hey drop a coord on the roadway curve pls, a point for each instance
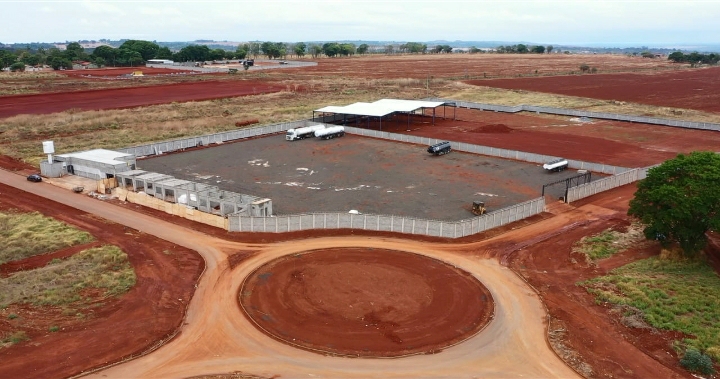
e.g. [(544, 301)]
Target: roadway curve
[(216, 338)]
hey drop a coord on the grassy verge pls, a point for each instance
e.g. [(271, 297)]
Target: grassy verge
[(678, 295), (62, 281), (29, 234), (609, 242)]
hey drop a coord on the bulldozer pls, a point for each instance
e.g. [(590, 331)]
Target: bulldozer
[(478, 208)]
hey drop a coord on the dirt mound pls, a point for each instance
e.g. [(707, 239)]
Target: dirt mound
[(493, 128), (14, 164)]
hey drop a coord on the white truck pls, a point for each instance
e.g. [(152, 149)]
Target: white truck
[(331, 132), (302, 133), (556, 165)]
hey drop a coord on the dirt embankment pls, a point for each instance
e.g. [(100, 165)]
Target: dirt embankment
[(111, 329)]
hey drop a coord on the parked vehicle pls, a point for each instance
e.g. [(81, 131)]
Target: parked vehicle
[(439, 148), (331, 132), (302, 133), (556, 165), (34, 178), (478, 208)]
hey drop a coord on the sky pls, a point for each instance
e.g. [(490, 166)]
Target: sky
[(567, 22)]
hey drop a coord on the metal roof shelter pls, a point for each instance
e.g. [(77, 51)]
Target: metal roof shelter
[(380, 109)]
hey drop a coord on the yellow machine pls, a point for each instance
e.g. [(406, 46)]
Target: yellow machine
[(478, 208)]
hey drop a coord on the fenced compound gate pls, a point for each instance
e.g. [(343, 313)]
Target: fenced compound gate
[(572, 181)]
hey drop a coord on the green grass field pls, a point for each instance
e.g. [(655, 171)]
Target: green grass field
[(679, 295), (61, 282), (28, 234)]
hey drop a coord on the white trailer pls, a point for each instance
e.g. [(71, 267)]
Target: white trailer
[(331, 132), (556, 165), (302, 133)]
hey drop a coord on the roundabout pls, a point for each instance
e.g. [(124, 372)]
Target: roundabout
[(365, 302), (219, 339)]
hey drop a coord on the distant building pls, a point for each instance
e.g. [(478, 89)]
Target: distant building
[(158, 61)]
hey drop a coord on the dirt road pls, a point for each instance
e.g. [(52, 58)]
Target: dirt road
[(216, 338)]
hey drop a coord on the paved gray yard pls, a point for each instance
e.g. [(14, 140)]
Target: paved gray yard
[(365, 174)]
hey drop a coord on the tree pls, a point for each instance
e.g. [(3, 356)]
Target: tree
[(100, 62), (363, 49), (331, 49), (299, 49), (148, 50), (389, 49), (549, 49), (75, 52), (521, 49), (679, 201), (677, 57), (164, 53), (254, 49), (474, 50), (584, 67), (242, 51), (539, 49), (17, 66), (347, 49), (105, 52), (31, 59), (193, 53), (217, 54), (315, 50), (273, 49)]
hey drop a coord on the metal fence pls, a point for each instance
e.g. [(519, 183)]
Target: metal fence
[(489, 151), (606, 184), (385, 223), (579, 113), (208, 139)]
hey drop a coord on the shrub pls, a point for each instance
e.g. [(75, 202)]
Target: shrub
[(16, 337), (12, 316), (54, 328), (714, 353), (696, 361)]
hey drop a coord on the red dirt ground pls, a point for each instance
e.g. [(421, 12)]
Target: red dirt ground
[(569, 306), (151, 311), (615, 143), (688, 89), (118, 71), (130, 97), (469, 66), (383, 303), (591, 329)]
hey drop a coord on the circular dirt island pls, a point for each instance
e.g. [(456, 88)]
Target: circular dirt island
[(364, 302)]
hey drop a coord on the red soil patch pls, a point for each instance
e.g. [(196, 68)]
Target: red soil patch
[(492, 128), (470, 66), (365, 302), (110, 329), (615, 143), (118, 71), (594, 331), (130, 97), (14, 164), (689, 89)]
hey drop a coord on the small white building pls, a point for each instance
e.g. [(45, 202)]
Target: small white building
[(96, 164)]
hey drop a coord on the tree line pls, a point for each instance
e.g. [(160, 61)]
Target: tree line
[(138, 52), (694, 58)]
